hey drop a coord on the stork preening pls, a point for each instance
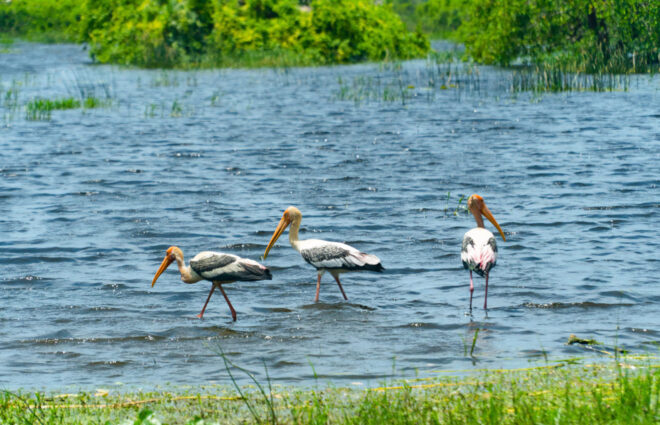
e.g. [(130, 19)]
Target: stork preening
[(217, 267), (479, 251), (333, 257)]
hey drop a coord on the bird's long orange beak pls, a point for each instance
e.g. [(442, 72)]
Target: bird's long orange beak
[(486, 213), (169, 259), (284, 223)]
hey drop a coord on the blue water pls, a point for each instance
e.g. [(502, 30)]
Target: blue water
[(90, 199)]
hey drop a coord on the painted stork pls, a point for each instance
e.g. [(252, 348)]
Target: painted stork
[(217, 267), (479, 251), (333, 257)]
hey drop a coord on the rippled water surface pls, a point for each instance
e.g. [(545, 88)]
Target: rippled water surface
[(91, 198)]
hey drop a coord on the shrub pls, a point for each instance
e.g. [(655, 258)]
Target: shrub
[(44, 20), (179, 32), (580, 35)]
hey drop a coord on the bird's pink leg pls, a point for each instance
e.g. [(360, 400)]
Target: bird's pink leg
[(486, 294), (233, 312), (318, 288), (340, 288), (471, 289), (200, 315)]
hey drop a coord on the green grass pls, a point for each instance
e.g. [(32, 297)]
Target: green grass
[(614, 393), (41, 109)]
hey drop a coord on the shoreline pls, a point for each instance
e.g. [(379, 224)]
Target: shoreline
[(564, 391)]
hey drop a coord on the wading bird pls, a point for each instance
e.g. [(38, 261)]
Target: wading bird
[(333, 257), (479, 251), (216, 267)]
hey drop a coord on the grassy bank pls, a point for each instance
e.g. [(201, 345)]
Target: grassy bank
[(621, 392)]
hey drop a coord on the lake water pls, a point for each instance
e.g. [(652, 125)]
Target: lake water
[(90, 199)]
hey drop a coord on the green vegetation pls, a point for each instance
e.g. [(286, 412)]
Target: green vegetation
[(203, 33), (253, 32), (41, 109), (444, 75), (592, 36), (439, 18), (40, 20), (605, 36), (571, 36), (621, 393)]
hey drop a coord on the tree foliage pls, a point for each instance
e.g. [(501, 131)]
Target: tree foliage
[(45, 20), (581, 35), (173, 32)]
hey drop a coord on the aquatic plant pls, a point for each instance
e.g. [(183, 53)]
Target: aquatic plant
[(547, 78), (369, 89), (165, 79), (41, 109), (10, 97), (176, 110), (443, 72)]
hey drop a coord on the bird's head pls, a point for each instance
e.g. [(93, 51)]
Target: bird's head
[(478, 207), (171, 256), (291, 214)]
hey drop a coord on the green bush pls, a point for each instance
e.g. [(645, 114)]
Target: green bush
[(151, 33), (353, 30), (43, 20), (578, 35), (155, 33)]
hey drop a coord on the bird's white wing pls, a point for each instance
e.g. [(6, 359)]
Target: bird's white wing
[(334, 255), (479, 250), (218, 266)]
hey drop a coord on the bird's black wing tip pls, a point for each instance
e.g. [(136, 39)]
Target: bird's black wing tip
[(377, 268)]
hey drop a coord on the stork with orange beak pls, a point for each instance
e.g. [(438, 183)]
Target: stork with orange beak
[(333, 257), (479, 251), (216, 267)]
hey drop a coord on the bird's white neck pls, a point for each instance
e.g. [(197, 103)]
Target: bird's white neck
[(293, 235), (187, 274)]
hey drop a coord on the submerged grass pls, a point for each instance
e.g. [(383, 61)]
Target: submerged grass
[(618, 392)]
